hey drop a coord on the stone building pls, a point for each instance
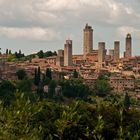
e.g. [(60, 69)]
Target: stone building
[(77, 59), (59, 61), (121, 84), (60, 58), (87, 40), (128, 47), (101, 54), (116, 50), (68, 53), (60, 52)]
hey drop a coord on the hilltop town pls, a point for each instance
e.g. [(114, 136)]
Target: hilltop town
[(124, 72)]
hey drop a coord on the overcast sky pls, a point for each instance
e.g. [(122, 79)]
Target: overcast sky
[(33, 25)]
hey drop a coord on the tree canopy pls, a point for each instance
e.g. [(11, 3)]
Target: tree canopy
[(75, 88), (21, 74)]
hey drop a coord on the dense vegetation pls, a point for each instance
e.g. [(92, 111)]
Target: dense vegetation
[(77, 113), (48, 119), (19, 56)]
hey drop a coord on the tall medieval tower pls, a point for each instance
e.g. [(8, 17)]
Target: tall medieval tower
[(87, 40), (68, 53), (128, 47)]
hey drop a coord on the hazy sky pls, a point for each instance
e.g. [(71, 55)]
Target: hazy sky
[(32, 25)]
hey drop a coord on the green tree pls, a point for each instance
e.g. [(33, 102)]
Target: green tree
[(10, 52), (21, 74), (102, 88), (19, 55), (20, 52), (6, 51), (37, 76), (7, 90), (66, 124), (75, 74), (52, 86), (24, 85), (46, 81), (74, 88), (126, 101), (49, 73), (48, 54), (54, 53), (104, 76), (40, 54)]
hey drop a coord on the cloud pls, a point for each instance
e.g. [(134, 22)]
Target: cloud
[(105, 11), (129, 29), (33, 33), (41, 19), (52, 12)]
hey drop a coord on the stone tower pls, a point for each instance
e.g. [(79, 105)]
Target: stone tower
[(101, 54), (87, 40), (68, 53), (128, 47), (60, 58), (116, 50)]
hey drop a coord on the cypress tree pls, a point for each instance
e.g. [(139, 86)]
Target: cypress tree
[(35, 77), (38, 75), (49, 73), (10, 52), (126, 101), (6, 51)]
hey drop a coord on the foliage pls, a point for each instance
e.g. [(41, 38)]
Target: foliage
[(52, 86), (50, 53), (45, 119), (126, 101), (8, 52), (7, 90), (37, 76), (21, 74), (42, 54), (102, 88), (104, 76), (24, 85), (74, 88), (19, 55), (11, 58), (48, 73), (75, 74), (46, 81), (80, 115)]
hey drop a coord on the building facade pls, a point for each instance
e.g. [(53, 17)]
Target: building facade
[(120, 84)]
